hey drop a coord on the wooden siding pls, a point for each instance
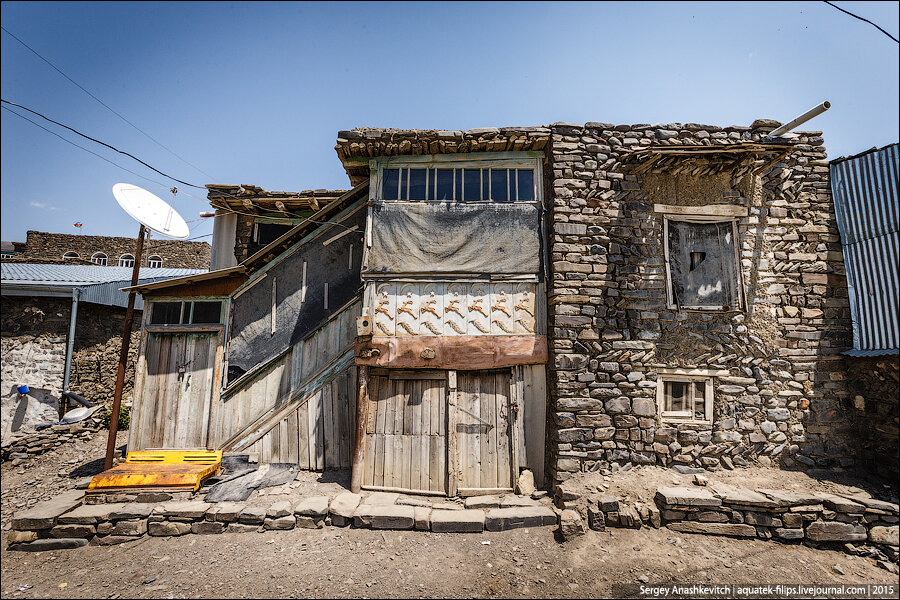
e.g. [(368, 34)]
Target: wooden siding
[(484, 430), (318, 433)]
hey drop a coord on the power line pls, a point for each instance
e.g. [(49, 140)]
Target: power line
[(101, 143), (306, 219), (109, 108), (82, 147), (862, 19)]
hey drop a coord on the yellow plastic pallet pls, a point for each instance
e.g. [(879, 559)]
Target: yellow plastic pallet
[(158, 470)]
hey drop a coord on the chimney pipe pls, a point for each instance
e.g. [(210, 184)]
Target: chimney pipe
[(813, 112)]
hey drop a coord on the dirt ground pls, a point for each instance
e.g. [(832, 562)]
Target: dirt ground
[(337, 562)]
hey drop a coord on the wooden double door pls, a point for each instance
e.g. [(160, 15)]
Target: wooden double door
[(174, 389), (440, 432)]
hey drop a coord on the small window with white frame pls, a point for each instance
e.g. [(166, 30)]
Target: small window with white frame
[(701, 248), (154, 262), (99, 259), (126, 260), (686, 396), (70, 256)]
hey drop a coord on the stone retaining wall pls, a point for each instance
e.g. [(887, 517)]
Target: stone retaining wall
[(24, 445), (859, 525), (874, 384), (785, 397)]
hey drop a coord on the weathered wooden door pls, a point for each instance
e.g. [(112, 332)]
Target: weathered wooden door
[(483, 432), (406, 432), (176, 394)]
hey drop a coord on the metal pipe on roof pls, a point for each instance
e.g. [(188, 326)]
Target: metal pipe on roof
[(70, 345), (813, 112)]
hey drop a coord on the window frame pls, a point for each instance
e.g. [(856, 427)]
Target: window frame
[(96, 258), (706, 376), (532, 161), (151, 259), (122, 257), (71, 254), (187, 305), (704, 215)]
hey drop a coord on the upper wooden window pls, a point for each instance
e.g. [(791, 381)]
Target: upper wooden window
[(702, 265), (685, 399), (458, 184), (99, 258), (186, 313)]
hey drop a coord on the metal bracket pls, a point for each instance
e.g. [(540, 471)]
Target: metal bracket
[(479, 419)]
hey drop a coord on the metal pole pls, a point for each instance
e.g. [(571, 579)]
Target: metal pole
[(813, 112), (70, 346), (123, 356)]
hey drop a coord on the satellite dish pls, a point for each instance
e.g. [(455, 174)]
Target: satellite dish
[(150, 210)]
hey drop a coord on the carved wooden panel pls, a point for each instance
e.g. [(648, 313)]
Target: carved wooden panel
[(481, 308)]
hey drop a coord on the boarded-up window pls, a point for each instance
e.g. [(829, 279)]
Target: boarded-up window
[(702, 265)]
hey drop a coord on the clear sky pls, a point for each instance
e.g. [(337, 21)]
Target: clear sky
[(256, 92)]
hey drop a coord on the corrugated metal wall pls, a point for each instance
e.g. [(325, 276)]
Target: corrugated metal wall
[(864, 188)]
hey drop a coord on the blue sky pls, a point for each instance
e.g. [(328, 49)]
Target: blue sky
[(256, 92)]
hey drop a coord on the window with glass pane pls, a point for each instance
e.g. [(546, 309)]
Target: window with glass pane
[(165, 313), (417, 179), (471, 185), (525, 187), (444, 184), (686, 400), (390, 182), (206, 312), (499, 185)]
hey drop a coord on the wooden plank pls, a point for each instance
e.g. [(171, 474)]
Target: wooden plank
[(328, 423), (461, 352), (487, 410), (452, 450), (506, 414), (712, 210), (320, 429), (379, 396), (303, 435), (352, 406), (173, 392)]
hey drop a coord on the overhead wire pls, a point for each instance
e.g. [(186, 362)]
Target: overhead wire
[(855, 16), (105, 105), (73, 130)]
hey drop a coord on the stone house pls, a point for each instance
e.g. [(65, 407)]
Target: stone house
[(65, 248), (558, 299)]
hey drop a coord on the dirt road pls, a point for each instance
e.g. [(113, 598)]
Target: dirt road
[(365, 563)]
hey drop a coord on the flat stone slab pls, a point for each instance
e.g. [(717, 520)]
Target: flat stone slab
[(285, 522), (382, 516), (381, 498), (131, 510), (790, 497), (730, 529), (132, 527), (835, 531), (317, 506), (225, 512), (44, 514), (608, 504), (188, 510), (514, 501), (743, 497), (90, 514), (685, 496), (457, 521), (242, 528), (73, 531), (420, 502), (889, 536), (342, 508), (112, 540), (252, 515), (280, 509), (423, 518), (168, 528), (501, 519), (446, 506), (843, 505), (490, 501), (789, 534), (51, 544), (887, 507)]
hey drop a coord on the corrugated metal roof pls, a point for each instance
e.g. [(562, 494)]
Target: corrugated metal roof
[(870, 353), (111, 294), (78, 275), (867, 206)]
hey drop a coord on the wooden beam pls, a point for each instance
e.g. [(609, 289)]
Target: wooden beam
[(460, 352), (712, 210), (452, 436), (359, 442)]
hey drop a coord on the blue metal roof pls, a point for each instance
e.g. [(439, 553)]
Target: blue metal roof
[(78, 275), (867, 206)]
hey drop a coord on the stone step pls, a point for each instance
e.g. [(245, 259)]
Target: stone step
[(44, 514), (501, 519), (457, 521)]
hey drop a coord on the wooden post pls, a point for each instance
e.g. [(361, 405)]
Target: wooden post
[(123, 356), (452, 452), (359, 445)]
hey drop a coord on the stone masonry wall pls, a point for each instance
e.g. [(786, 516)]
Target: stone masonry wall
[(40, 246), (874, 384), (785, 396), (34, 337)]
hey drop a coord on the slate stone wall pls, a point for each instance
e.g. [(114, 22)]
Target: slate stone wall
[(40, 246), (874, 384), (785, 398)]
